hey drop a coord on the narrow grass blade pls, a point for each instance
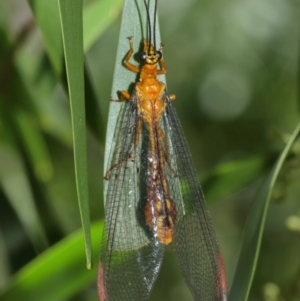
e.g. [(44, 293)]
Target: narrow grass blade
[(35, 145), (71, 20), (93, 114), (13, 175), (254, 230), (14, 182), (47, 17), (57, 274)]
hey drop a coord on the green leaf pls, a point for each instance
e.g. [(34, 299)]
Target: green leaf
[(134, 23), (71, 19), (57, 274), (13, 174), (14, 182), (40, 81), (46, 13), (35, 144), (97, 16), (254, 230), (47, 17), (93, 114), (231, 176)]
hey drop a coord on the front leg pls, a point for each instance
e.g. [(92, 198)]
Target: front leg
[(163, 66), (129, 65)]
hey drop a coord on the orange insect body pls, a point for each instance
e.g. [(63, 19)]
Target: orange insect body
[(160, 210)]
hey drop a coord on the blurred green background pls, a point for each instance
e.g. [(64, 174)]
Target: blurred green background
[(234, 67)]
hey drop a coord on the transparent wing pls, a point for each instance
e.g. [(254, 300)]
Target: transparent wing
[(130, 256), (194, 239)]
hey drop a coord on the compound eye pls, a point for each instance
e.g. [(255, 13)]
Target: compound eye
[(159, 54), (143, 56)]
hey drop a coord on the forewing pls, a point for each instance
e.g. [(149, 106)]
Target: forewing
[(130, 256), (194, 239)]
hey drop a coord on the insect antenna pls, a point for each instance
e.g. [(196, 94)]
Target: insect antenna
[(149, 25), (154, 25)]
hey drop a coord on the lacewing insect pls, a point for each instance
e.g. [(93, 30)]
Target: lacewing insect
[(154, 197)]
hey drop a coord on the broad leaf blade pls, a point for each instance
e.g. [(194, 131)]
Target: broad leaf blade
[(134, 23)]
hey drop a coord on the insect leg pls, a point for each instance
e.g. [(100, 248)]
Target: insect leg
[(129, 158), (130, 155), (124, 95), (138, 132), (163, 66), (129, 65), (165, 149)]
